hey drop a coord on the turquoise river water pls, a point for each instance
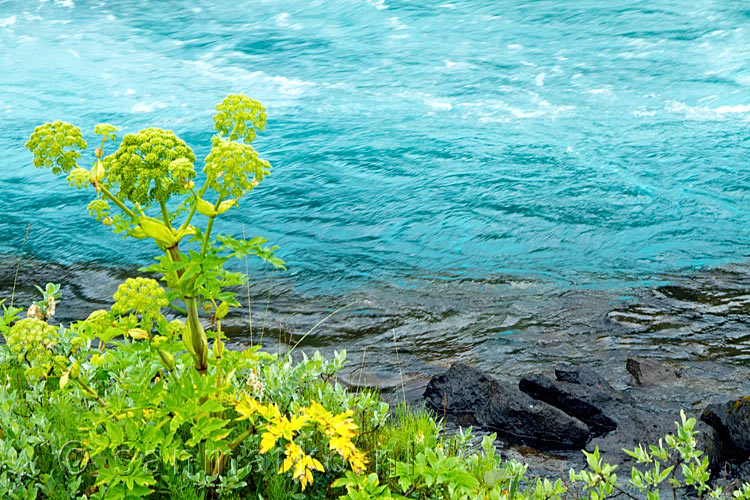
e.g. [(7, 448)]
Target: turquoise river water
[(466, 168)]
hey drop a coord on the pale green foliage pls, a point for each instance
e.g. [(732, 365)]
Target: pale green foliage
[(233, 168), (239, 118), (55, 145), (673, 467), (140, 168)]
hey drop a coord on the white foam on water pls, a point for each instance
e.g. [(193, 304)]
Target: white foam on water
[(603, 90), (378, 4), (539, 80), (65, 3), (705, 112), (438, 104), (8, 21), (148, 108), (395, 23), (282, 21), (740, 108)]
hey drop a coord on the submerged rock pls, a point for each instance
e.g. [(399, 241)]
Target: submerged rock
[(464, 392)]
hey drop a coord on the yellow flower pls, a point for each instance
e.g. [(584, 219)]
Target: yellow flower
[(280, 427), (303, 464)]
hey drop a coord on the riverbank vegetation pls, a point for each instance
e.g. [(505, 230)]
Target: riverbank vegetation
[(143, 400)]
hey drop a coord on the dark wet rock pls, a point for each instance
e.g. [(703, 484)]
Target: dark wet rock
[(731, 421), (651, 371), (709, 440), (468, 393), (582, 375), (634, 427), (588, 404)]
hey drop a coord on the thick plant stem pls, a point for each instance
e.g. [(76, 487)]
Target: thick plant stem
[(117, 202), (209, 226), (197, 336), (165, 214)]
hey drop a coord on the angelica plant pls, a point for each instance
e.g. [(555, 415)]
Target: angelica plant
[(146, 189)]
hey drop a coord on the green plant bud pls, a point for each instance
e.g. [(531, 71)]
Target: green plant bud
[(225, 205), (107, 221), (222, 310), (206, 208), (137, 233), (139, 334), (167, 359), (184, 232), (187, 341), (96, 174), (155, 229), (218, 349)]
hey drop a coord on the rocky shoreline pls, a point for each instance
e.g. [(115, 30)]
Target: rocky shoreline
[(576, 407)]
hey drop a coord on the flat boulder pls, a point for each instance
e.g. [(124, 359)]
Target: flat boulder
[(651, 371), (472, 395), (587, 403), (581, 375)]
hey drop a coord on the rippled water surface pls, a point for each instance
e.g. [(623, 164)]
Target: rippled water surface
[(470, 168), (582, 141)]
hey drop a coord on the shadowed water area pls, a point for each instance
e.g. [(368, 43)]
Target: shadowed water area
[(508, 184)]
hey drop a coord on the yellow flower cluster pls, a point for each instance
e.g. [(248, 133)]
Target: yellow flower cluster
[(339, 429)]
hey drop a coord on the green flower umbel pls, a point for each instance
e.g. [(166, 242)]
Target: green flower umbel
[(142, 169), (55, 145), (29, 337), (140, 296)]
